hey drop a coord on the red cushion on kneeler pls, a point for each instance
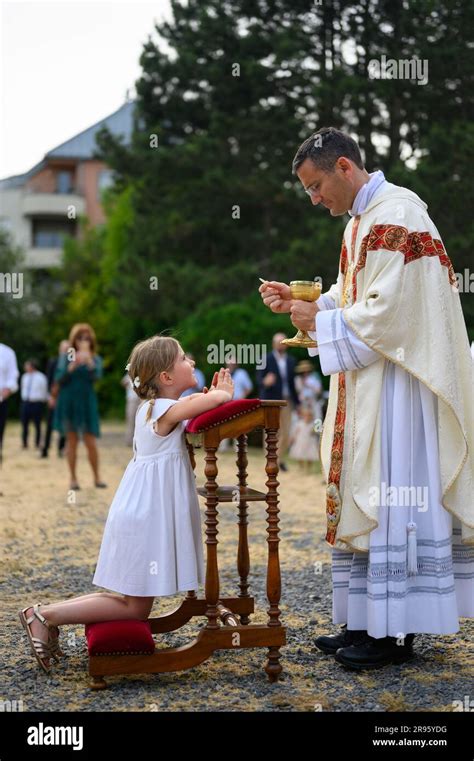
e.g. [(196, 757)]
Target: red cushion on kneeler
[(122, 637), (222, 413)]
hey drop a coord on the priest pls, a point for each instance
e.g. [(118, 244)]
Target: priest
[(397, 442)]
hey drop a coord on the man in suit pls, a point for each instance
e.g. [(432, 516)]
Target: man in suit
[(277, 381), (34, 394)]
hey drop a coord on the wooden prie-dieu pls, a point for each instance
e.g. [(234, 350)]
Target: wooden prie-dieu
[(228, 624)]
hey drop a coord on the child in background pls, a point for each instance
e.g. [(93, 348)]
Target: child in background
[(304, 440), (152, 543)]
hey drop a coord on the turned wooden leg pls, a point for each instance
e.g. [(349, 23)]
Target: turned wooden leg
[(98, 683), (212, 571), (243, 557), (273, 667), (191, 594)]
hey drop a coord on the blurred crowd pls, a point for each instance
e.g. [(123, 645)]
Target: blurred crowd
[(62, 399)]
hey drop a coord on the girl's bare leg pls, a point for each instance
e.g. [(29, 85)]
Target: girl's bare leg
[(99, 606), (74, 600), (77, 598)]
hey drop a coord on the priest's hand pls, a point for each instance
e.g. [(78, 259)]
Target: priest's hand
[(276, 296), (303, 314)]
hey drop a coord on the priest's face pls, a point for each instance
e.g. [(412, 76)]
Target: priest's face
[(335, 189)]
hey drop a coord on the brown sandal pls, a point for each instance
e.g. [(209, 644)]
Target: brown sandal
[(53, 643), (40, 649)]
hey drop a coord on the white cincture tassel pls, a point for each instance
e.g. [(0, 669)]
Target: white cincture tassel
[(412, 566)]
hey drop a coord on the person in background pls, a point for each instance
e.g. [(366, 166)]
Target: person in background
[(201, 381), (76, 412), (9, 374), (242, 388), (309, 387), (132, 403), (242, 383), (277, 381), (34, 394), (53, 389), (304, 440), (308, 384)]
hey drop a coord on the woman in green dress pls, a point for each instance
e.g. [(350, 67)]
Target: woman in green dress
[(76, 411)]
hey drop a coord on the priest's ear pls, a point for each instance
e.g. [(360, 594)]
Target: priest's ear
[(345, 165)]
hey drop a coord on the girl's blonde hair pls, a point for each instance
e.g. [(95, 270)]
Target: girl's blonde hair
[(148, 359)]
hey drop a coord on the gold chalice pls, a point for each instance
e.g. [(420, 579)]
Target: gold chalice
[(304, 290)]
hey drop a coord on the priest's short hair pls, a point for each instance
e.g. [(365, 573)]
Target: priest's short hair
[(325, 146)]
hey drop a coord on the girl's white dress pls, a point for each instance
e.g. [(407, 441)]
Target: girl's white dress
[(152, 542), (305, 445)]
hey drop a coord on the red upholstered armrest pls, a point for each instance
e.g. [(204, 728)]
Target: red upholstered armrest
[(122, 637), (222, 413)]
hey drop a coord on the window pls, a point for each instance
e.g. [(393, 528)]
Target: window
[(52, 239), (51, 233), (64, 181), (104, 180)]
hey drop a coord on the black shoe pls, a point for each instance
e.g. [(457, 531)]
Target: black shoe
[(283, 467), (375, 653), (43, 454), (329, 643)]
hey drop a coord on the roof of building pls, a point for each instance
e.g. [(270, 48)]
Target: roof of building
[(82, 146)]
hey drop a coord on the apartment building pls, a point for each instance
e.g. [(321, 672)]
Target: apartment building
[(44, 204)]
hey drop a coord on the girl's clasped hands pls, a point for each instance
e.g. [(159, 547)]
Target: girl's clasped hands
[(222, 381)]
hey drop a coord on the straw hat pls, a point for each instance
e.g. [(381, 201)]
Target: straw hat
[(305, 366)]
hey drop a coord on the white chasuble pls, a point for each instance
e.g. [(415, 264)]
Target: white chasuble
[(396, 448)]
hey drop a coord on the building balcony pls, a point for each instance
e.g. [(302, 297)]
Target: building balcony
[(43, 257), (53, 204)]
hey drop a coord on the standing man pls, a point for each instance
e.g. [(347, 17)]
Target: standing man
[(242, 388), (8, 385), (34, 395), (397, 440), (277, 381), (242, 382)]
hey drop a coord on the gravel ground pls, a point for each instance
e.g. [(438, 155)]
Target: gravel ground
[(48, 552)]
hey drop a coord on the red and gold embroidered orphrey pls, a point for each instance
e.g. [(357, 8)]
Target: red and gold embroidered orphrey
[(343, 258), (333, 505), (412, 245), (333, 495)]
